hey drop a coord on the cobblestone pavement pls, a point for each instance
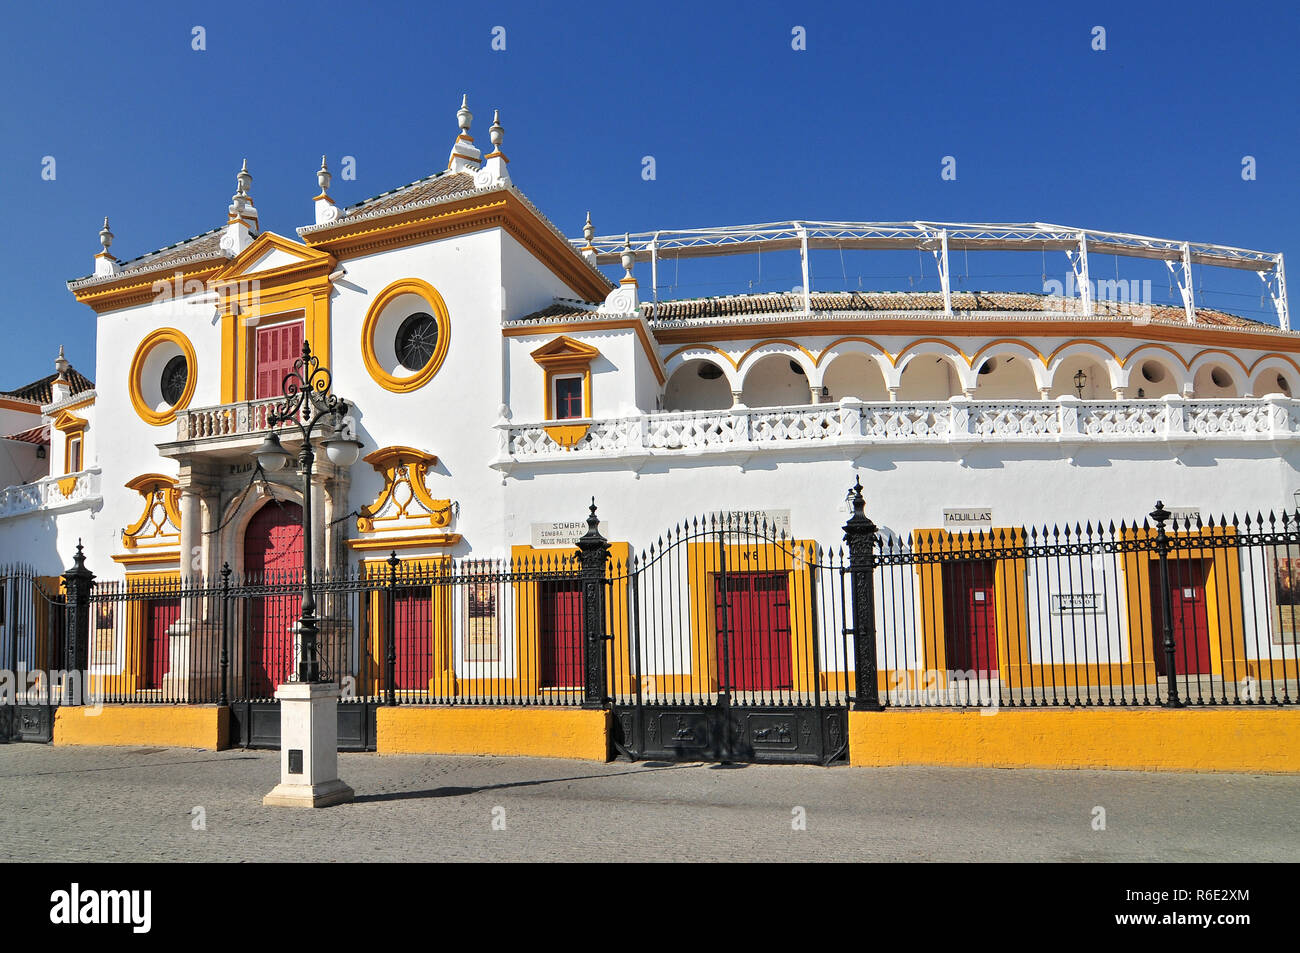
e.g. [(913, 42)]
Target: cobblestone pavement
[(92, 804)]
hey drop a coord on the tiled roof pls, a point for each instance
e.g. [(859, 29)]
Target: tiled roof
[(40, 392), (198, 248), (37, 435), (423, 190), (786, 302)]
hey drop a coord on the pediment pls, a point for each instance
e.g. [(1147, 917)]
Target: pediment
[(565, 348), (274, 256)]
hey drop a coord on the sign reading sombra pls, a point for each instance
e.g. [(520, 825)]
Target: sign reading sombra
[(968, 517), (562, 535)]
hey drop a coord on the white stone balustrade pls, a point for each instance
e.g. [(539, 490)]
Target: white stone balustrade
[(47, 494), (226, 420), (961, 420)]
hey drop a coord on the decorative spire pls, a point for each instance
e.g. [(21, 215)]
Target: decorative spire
[(628, 259), (494, 165), (588, 232), (464, 157), (326, 210), (61, 365), (241, 222), (105, 263)]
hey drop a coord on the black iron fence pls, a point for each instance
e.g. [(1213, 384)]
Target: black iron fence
[(728, 612)]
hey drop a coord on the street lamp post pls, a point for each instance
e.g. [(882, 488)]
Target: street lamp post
[(307, 401), (308, 703)]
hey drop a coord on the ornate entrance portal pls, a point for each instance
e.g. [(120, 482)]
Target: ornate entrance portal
[(273, 555)]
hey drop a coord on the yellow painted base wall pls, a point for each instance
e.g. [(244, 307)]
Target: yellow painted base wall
[(159, 726), (533, 732), (1211, 739)]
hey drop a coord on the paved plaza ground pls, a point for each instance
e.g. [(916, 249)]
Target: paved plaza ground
[(138, 804)]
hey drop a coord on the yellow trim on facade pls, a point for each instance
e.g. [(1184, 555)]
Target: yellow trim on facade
[(419, 541), (403, 466), (612, 324), (565, 357), (156, 489), (437, 307), (135, 385), (442, 609), (172, 726), (470, 730), (147, 557), (1249, 739), (793, 557)]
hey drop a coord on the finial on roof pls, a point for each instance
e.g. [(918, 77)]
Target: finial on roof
[(61, 365), (105, 263), (588, 250), (629, 259), (241, 222), (496, 132), (326, 210), (464, 157), (463, 116)]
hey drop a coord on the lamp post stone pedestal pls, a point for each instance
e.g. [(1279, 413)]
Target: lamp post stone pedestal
[(309, 760), (309, 703)]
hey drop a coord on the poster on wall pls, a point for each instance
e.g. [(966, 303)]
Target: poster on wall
[(482, 642), (104, 643), (1286, 599)]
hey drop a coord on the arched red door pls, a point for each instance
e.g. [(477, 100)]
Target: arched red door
[(273, 556)]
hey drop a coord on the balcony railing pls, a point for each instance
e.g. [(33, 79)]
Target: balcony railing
[(856, 423), (75, 490), (226, 420)]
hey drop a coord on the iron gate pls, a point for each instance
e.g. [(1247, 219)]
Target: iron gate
[(32, 625), (729, 642)]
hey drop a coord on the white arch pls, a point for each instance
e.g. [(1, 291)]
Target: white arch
[(1263, 378), (1130, 375), (674, 363), (1042, 380), (1224, 360), (965, 375), (771, 349), (829, 356), (1100, 355), (874, 359)]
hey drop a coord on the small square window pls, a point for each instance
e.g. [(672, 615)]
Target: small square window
[(568, 398)]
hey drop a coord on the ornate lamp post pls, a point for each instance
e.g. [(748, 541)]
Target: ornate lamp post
[(307, 401), (308, 705)]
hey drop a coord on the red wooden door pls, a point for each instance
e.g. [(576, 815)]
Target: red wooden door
[(277, 348), (969, 616), (414, 622), (1191, 618), (754, 637), (273, 553), (161, 615), (560, 635)]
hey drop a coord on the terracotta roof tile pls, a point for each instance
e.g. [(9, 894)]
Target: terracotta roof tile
[(424, 190), (41, 391), (785, 302)]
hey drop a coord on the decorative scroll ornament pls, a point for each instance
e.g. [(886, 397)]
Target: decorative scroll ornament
[(405, 501), (159, 524)]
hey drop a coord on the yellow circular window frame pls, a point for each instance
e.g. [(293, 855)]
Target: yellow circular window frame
[(437, 307), (161, 336)]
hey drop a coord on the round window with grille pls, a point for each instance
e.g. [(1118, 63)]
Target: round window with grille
[(417, 339), (175, 376)]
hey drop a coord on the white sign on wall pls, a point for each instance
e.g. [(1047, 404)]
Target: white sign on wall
[(562, 535), (775, 521), (1181, 513), (1071, 602), (968, 517)]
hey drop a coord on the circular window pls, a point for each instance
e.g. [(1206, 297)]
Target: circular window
[(174, 378), (796, 368), (1221, 378), (986, 368), (709, 372), (1283, 386), (405, 336), (417, 339), (1153, 371), (162, 376)]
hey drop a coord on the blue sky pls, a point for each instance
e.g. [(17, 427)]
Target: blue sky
[(1147, 136)]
